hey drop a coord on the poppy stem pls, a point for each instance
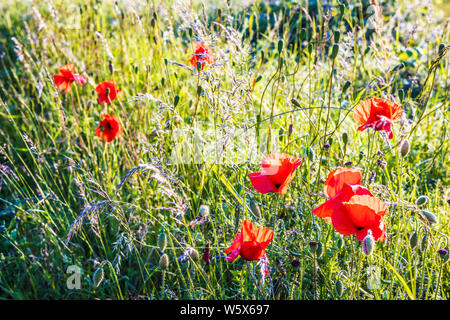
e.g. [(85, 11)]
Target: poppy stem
[(316, 295)]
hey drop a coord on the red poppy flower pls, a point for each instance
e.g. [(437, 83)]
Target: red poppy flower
[(250, 243), (202, 54), (277, 173), (108, 92), (66, 76), (351, 208), (378, 114), (109, 128)]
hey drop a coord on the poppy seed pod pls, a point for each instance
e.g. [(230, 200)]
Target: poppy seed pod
[(431, 218), (422, 200), (404, 148), (368, 244), (255, 209), (313, 246), (413, 239), (98, 277), (164, 261), (295, 263), (444, 255), (162, 241)]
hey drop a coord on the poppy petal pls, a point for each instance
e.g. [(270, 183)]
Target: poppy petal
[(261, 182), (378, 232), (233, 256), (236, 243), (341, 221), (338, 178), (325, 210), (365, 210), (264, 236), (79, 78), (248, 231)]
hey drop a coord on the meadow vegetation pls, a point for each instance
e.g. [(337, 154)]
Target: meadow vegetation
[(149, 214)]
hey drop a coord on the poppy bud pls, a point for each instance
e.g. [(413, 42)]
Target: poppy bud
[(296, 103), (413, 240), (340, 243), (255, 209), (291, 127), (199, 66), (341, 9), (280, 45), (404, 148), (422, 200), (110, 67), (398, 67), (334, 51), (204, 210), (424, 242), (368, 244), (431, 218), (258, 78), (319, 250), (98, 277), (345, 137), (162, 241), (313, 245), (444, 255), (337, 36), (441, 47), (176, 100), (339, 287), (361, 155), (194, 254), (346, 86), (199, 90), (164, 261)]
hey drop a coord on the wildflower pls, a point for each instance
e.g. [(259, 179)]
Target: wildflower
[(378, 114), (250, 243), (202, 54), (109, 128), (351, 208), (108, 92), (206, 256), (66, 76), (278, 170)]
